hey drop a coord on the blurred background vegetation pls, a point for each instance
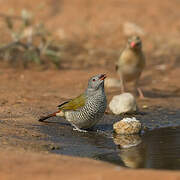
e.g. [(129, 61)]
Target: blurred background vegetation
[(30, 42), (87, 33)]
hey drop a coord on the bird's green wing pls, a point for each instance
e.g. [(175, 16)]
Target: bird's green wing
[(73, 104)]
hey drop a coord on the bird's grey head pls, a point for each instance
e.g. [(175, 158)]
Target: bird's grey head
[(96, 82), (134, 43)]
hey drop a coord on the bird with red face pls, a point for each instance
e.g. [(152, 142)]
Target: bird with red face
[(84, 111), (131, 64)]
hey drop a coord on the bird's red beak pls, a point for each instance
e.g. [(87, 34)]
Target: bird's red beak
[(133, 44), (102, 77)]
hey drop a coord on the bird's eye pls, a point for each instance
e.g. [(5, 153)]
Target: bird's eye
[(93, 79)]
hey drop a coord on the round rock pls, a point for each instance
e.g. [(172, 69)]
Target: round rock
[(127, 126), (123, 103)]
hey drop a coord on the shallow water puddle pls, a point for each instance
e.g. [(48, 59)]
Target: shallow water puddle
[(158, 148)]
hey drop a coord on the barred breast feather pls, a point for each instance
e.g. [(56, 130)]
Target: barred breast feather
[(90, 113)]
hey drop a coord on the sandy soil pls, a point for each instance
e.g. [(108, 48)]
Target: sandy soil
[(93, 37), (39, 166), (26, 95)]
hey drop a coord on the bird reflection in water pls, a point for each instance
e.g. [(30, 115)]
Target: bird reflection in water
[(131, 151)]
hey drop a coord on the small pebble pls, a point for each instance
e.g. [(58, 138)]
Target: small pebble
[(127, 126), (144, 106)]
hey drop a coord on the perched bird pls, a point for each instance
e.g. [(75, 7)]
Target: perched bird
[(86, 110), (131, 63)]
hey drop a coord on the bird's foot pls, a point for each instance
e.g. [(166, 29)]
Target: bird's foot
[(108, 135), (141, 95), (79, 130)]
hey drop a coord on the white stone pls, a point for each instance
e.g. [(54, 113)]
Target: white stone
[(129, 120), (123, 103), (127, 126), (112, 82)]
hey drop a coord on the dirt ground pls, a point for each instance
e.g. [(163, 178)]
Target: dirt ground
[(93, 33), (28, 94), (38, 166)]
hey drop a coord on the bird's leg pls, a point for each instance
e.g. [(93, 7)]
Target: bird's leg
[(141, 95), (122, 83), (77, 129)]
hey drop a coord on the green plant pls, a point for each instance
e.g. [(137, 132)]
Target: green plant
[(30, 42)]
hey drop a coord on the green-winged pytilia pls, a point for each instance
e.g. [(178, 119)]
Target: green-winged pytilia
[(131, 63), (84, 111)]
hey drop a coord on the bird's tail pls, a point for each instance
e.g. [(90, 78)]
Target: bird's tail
[(48, 116)]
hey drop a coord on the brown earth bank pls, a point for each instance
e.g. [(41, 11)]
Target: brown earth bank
[(24, 165)]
